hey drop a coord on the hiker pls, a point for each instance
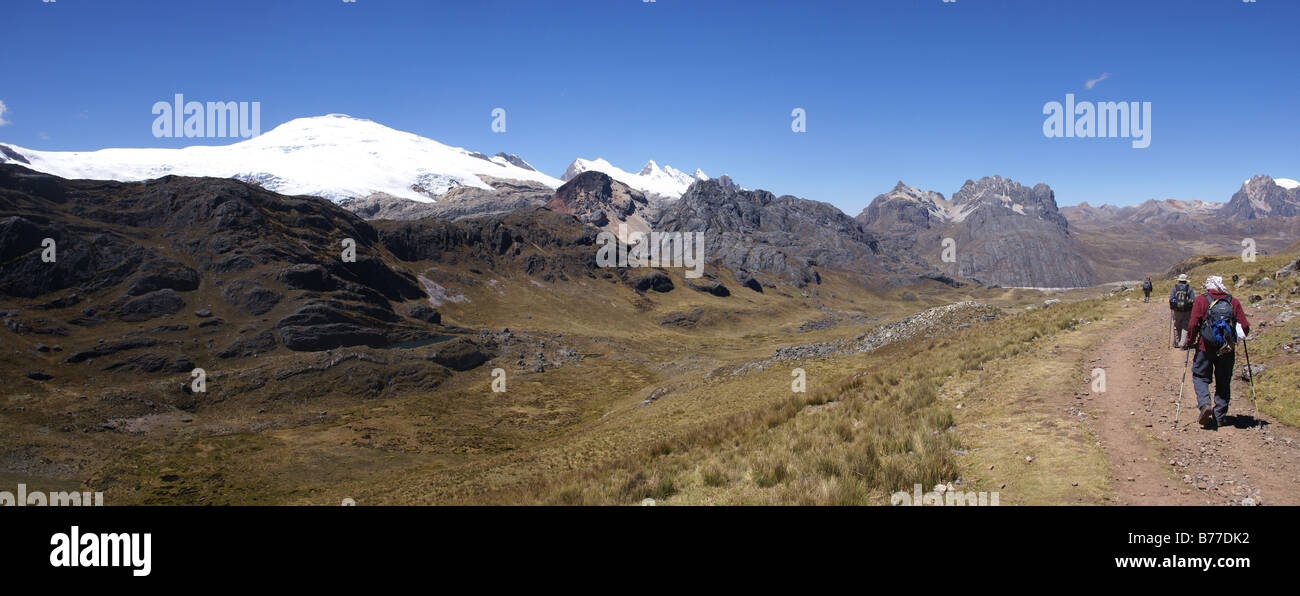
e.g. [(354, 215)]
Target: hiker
[(1215, 315), (1180, 308), (1146, 290)]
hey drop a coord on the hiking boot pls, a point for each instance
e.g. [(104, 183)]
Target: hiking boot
[(1207, 417)]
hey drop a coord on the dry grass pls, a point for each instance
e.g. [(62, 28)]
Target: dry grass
[(880, 428)]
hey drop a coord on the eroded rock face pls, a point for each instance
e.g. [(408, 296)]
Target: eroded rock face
[(1010, 235), (785, 237), (1005, 233), (137, 251), (461, 354), (1260, 197), (163, 273), (151, 306), (655, 280), (500, 242), (901, 213), (595, 198), (458, 203), (251, 297)]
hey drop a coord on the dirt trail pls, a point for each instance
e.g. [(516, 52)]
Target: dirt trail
[(1155, 464)]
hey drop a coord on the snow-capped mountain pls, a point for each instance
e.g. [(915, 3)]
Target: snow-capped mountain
[(664, 181), (335, 156)]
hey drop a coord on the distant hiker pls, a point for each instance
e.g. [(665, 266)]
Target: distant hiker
[(1180, 308), (1146, 290), (1215, 316), (1235, 280)]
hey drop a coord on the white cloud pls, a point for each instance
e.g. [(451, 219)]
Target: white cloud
[(3, 110), (1093, 82)]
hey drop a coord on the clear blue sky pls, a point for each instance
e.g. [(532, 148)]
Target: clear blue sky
[(928, 92)]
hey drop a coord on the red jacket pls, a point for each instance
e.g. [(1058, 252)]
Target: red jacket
[(1201, 307)]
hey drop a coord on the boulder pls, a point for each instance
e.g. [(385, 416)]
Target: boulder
[(460, 354), (252, 345), (152, 363), (709, 286), (113, 347), (307, 277), (655, 280), (328, 336), (424, 312), (151, 305), (251, 297), (745, 279), (160, 273)]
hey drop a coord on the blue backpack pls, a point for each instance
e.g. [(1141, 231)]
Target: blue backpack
[(1220, 326)]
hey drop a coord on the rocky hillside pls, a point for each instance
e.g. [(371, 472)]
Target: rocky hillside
[(595, 198), (788, 238), (457, 203), (1011, 235), (1168, 211), (150, 280), (1262, 196), (1124, 243), (899, 215), (1006, 234)]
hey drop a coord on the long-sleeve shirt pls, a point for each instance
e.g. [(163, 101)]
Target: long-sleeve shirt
[(1201, 308)]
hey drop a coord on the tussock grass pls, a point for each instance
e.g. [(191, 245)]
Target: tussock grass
[(881, 428)]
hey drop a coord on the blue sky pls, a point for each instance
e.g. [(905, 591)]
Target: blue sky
[(924, 91)]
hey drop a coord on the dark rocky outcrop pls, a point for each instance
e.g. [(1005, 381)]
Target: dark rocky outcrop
[(424, 312), (250, 296), (536, 241), (308, 276), (150, 306), (1005, 234), (1261, 197), (458, 203), (250, 345), (595, 198), (655, 280), (461, 354), (153, 363), (113, 347), (1011, 235), (786, 237), (746, 280), (709, 286), (162, 273), (897, 216)]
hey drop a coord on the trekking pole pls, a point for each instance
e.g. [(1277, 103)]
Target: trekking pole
[(1251, 372), (1187, 358)]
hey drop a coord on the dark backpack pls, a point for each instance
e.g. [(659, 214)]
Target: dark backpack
[(1220, 326), (1146, 286), (1183, 298)]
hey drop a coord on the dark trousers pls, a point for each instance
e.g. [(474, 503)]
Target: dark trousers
[(1209, 367), (1181, 319)]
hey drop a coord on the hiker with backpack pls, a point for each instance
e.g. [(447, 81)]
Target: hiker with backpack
[(1180, 308), (1214, 318), (1146, 290)]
